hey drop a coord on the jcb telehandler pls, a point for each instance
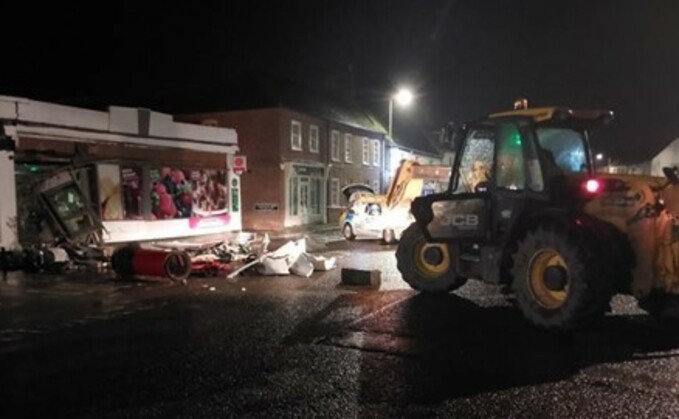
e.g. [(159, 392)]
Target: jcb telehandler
[(525, 208)]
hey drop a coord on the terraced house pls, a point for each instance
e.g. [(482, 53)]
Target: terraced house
[(302, 147)]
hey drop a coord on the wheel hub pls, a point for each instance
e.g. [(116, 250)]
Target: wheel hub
[(549, 278), (433, 255), (555, 278)]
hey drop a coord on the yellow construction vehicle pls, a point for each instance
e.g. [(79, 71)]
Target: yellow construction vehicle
[(386, 216), (525, 208)]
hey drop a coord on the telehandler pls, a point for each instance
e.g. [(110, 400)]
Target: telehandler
[(525, 208)]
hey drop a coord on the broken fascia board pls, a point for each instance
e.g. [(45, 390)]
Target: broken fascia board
[(70, 135), (117, 119)]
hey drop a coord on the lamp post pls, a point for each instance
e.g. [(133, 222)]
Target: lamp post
[(403, 97)]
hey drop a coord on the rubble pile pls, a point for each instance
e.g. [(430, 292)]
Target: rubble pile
[(59, 258), (232, 258), (245, 254)]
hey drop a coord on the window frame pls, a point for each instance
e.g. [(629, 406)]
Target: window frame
[(365, 151), (376, 154), (348, 158), (314, 141), (299, 139), (335, 145)]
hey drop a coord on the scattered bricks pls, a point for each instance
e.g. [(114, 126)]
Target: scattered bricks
[(360, 277)]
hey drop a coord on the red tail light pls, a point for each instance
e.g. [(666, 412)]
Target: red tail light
[(592, 186)]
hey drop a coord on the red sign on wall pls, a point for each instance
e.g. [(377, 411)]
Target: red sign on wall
[(240, 164)]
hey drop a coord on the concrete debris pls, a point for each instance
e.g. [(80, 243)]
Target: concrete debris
[(321, 263), (290, 258), (302, 266), (274, 266)]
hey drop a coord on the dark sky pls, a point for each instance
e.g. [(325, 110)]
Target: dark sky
[(464, 58)]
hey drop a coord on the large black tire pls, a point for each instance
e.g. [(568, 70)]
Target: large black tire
[(421, 275), (559, 280)]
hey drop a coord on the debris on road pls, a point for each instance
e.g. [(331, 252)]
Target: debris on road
[(133, 260), (321, 263), (371, 278)]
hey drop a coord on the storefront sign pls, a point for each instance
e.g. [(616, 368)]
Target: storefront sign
[(266, 206), (308, 170)]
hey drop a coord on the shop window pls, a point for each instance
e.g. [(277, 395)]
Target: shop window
[(209, 192), (182, 193), (131, 179)]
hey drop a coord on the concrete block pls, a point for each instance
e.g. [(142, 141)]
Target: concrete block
[(371, 278)]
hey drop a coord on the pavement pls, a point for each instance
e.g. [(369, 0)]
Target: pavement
[(297, 231)]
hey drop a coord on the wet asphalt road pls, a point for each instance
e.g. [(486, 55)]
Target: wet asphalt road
[(288, 346)]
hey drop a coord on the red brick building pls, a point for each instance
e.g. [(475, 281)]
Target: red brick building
[(299, 157)]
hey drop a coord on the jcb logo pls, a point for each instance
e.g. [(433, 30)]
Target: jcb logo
[(460, 220)]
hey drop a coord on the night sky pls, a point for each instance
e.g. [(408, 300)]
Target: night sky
[(463, 58)]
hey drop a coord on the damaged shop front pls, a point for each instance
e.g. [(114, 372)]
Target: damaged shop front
[(115, 176)]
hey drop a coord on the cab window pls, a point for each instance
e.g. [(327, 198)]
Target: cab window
[(510, 162), (564, 148), (476, 162)]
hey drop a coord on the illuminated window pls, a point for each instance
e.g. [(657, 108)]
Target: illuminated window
[(335, 146), (313, 139), (296, 136), (347, 148)]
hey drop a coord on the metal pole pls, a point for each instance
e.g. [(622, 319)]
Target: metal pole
[(391, 117)]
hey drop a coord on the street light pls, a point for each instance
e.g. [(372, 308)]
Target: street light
[(404, 97), (600, 157)]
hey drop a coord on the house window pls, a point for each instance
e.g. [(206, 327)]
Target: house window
[(335, 146), (313, 139), (296, 136), (334, 192), (376, 152), (366, 151), (347, 148), (376, 186)]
